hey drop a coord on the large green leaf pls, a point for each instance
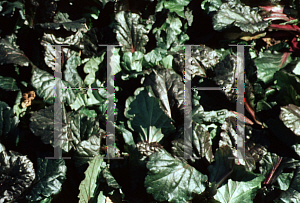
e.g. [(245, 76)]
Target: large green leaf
[(201, 145), (290, 116), (293, 192), (50, 176), (289, 89), (45, 83), (268, 63), (88, 187), (234, 13), (87, 150), (241, 187), (87, 99), (155, 55), (11, 53), (272, 167), (222, 167), (171, 180), (16, 175), (146, 116), (167, 85), (76, 127), (132, 61), (130, 32)]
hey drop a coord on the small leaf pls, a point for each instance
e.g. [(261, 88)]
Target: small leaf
[(176, 6), (71, 74), (132, 61), (290, 115), (61, 20), (91, 67), (87, 150)]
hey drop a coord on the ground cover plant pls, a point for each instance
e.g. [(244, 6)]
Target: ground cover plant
[(149, 71)]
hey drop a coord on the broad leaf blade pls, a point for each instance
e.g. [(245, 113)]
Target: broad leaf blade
[(171, 180), (146, 116), (87, 150), (244, 17), (50, 176), (10, 52), (293, 192), (290, 115), (241, 187), (71, 74), (16, 175), (61, 20), (267, 64), (8, 83), (89, 185), (45, 83), (76, 127), (222, 166), (130, 33), (167, 85), (91, 67), (201, 145)]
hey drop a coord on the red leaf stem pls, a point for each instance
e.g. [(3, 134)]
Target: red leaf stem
[(285, 27), (277, 9), (268, 180)]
